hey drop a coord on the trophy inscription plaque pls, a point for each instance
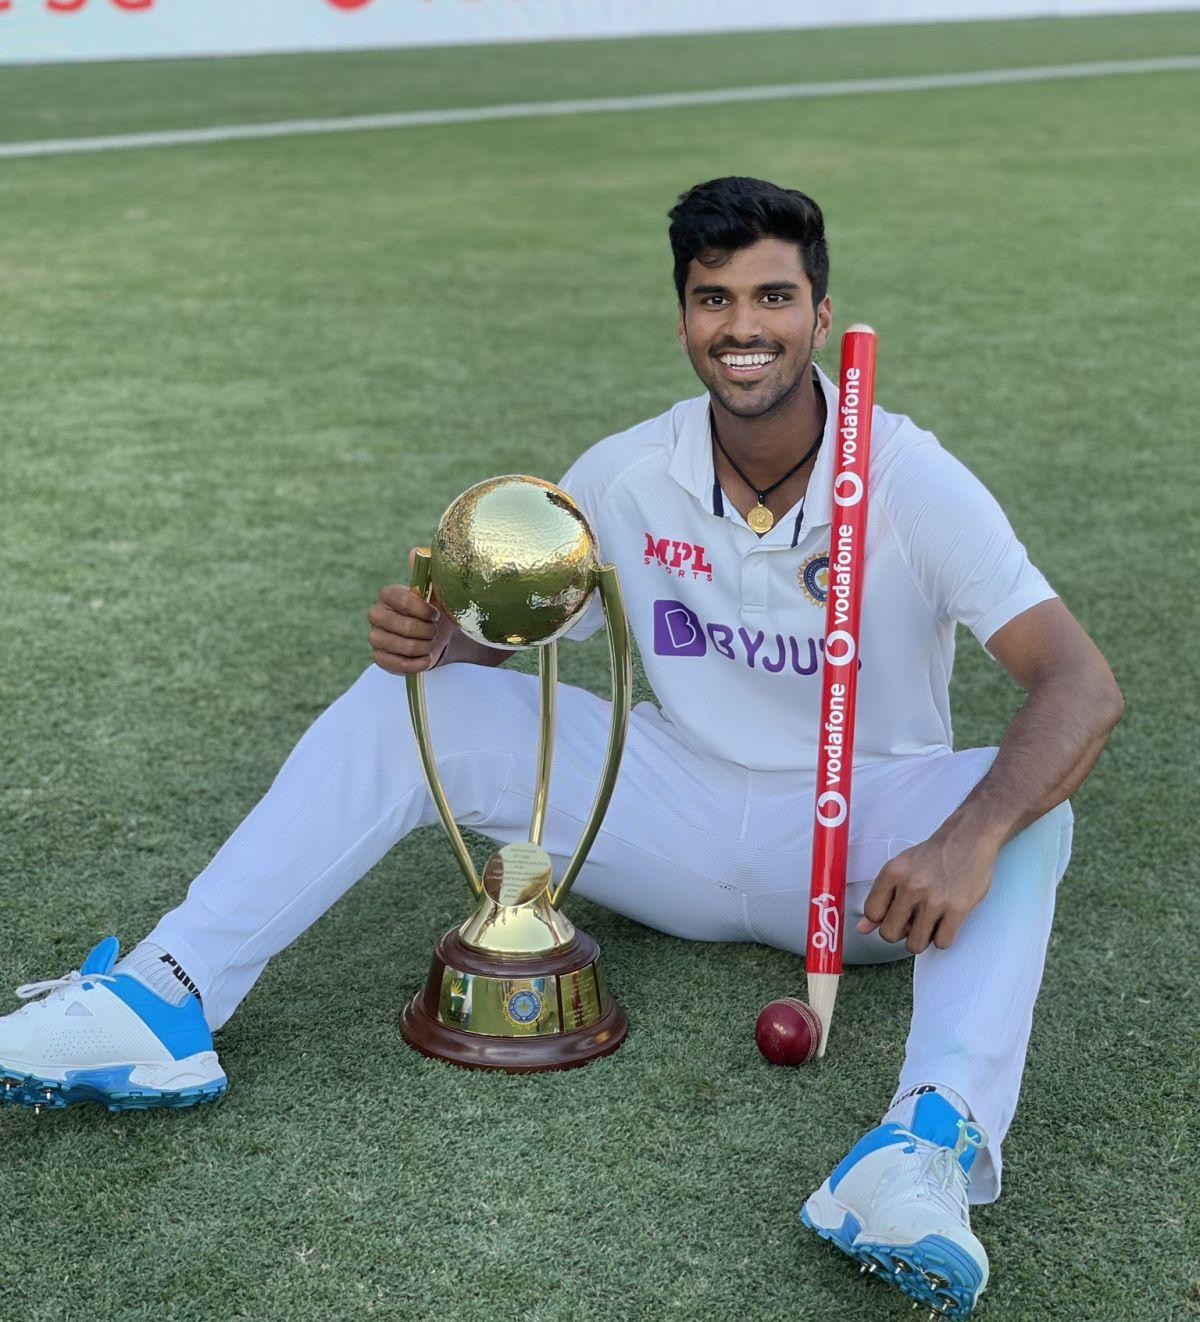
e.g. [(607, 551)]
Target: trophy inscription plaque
[(517, 987)]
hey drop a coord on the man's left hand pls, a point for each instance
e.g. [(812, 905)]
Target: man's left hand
[(925, 893)]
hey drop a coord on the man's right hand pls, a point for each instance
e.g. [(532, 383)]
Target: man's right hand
[(407, 633)]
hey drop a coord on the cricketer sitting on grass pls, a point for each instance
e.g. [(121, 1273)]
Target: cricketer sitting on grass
[(954, 857)]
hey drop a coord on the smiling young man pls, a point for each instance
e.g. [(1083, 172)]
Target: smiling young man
[(717, 514)]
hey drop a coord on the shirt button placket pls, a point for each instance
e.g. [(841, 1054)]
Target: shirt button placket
[(754, 582)]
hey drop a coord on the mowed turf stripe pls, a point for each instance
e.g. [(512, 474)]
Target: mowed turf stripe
[(599, 105)]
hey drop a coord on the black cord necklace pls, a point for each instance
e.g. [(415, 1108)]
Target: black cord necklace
[(760, 518)]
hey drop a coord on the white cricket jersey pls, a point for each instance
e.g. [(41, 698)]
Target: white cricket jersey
[(730, 625)]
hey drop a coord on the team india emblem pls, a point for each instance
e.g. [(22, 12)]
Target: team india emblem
[(813, 577)]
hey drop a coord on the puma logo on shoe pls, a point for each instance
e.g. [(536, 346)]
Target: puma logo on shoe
[(180, 975)]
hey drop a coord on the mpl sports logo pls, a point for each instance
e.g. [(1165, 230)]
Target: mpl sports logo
[(679, 559)]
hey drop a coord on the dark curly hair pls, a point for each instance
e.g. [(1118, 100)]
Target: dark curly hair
[(714, 219)]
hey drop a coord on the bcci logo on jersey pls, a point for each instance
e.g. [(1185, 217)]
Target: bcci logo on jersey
[(813, 576)]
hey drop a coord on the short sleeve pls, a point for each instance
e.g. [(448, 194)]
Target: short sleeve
[(968, 562), (573, 483)]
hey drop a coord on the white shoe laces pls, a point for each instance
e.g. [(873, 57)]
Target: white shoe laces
[(942, 1174), (59, 986)]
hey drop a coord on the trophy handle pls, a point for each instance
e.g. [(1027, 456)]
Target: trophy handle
[(420, 725), (548, 675), (617, 629)]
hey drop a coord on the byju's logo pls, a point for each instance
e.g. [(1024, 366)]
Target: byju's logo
[(677, 558), (677, 630)]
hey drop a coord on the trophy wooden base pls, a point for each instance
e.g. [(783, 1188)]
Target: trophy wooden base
[(483, 1011)]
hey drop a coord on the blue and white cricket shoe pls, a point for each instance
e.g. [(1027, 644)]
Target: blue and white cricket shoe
[(99, 1036), (898, 1203)]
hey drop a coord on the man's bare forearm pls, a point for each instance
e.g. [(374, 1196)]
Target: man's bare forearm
[(1046, 754)]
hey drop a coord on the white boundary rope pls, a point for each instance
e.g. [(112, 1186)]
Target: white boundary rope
[(408, 119)]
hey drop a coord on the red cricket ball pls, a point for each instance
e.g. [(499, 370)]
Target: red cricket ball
[(788, 1031)]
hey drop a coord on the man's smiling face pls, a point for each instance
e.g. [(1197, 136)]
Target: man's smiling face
[(749, 326)]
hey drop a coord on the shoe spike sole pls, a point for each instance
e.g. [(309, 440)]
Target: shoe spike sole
[(37, 1095), (933, 1273)]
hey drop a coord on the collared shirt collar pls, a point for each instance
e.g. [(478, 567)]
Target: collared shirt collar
[(692, 462)]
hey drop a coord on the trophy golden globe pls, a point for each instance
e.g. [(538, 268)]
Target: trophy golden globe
[(517, 987)]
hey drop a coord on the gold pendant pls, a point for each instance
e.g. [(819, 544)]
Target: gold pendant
[(761, 519)]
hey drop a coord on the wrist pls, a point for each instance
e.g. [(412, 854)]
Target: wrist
[(980, 822), (448, 654)]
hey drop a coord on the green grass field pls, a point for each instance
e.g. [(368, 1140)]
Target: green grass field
[(241, 380)]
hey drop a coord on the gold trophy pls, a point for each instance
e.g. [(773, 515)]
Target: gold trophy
[(517, 987)]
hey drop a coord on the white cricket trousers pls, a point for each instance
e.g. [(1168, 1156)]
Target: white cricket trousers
[(692, 846)]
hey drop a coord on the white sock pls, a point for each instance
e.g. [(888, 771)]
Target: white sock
[(901, 1110), (152, 966)]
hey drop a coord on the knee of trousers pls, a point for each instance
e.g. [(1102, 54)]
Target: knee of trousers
[(473, 773), (1040, 852)]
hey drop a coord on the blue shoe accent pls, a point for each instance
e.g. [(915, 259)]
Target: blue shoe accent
[(937, 1121), (934, 1120), (843, 1236), (934, 1271), (882, 1136), (102, 958), (182, 1029)]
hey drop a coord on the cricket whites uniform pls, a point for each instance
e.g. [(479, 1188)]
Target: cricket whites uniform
[(709, 832)]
